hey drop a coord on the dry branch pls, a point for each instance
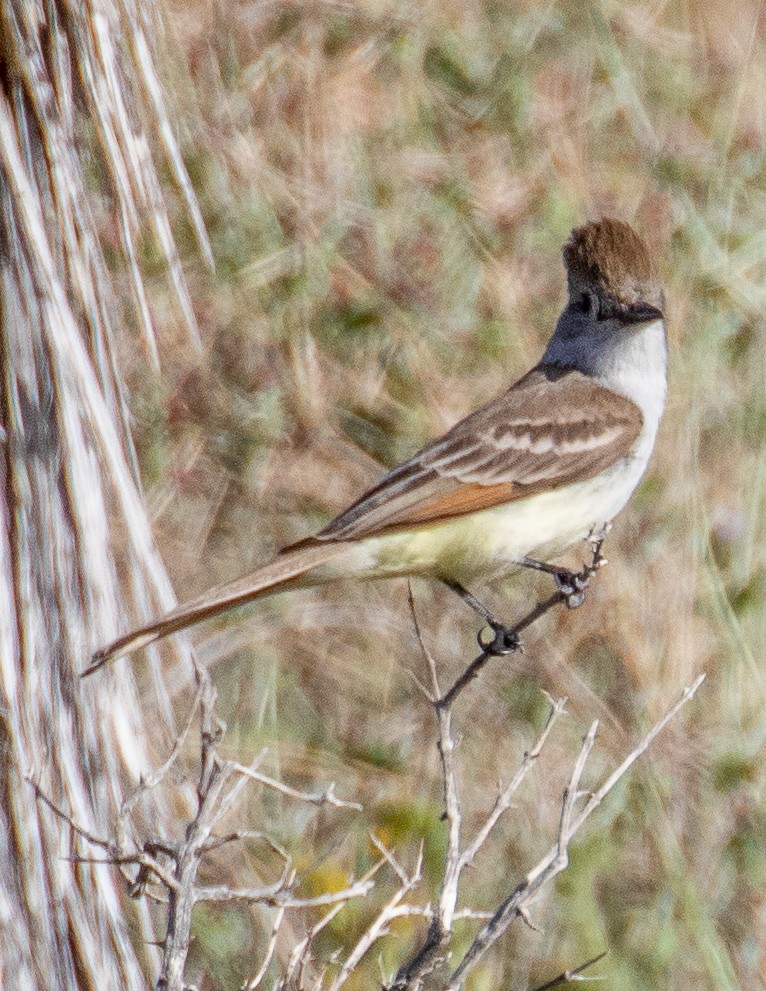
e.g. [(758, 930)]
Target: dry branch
[(427, 966), (166, 871), (572, 975), (557, 858)]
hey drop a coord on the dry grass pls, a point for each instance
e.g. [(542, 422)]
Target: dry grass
[(386, 187)]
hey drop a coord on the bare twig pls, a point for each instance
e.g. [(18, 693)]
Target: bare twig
[(440, 928), (556, 859), (325, 797), (152, 780), (167, 872), (598, 796), (572, 975), (390, 859), (430, 957), (300, 957), (456, 860), (256, 980), (117, 854), (278, 895), (393, 909), (503, 802)]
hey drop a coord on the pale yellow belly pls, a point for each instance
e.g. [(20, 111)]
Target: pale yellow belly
[(487, 544)]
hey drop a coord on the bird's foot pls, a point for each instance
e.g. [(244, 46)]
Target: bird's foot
[(497, 640), (572, 585)]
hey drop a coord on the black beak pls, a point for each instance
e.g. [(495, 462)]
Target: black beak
[(641, 313)]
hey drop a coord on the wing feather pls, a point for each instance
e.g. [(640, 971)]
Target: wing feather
[(554, 427)]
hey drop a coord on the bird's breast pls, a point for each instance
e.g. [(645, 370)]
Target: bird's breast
[(488, 543)]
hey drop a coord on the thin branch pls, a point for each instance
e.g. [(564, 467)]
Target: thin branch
[(117, 855), (256, 980), (153, 779), (326, 797), (503, 802), (379, 927), (393, 863), (82, 831), (598, 796), (426, 958), (572, 975), (446, 746), (278, 895), (176, 866), (216, 842), (301, 955), (557, 857)]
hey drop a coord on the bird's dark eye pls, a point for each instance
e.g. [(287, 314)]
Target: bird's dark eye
[(589, 303)]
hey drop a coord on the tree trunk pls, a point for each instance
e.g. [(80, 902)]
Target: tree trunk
[(76, 84)]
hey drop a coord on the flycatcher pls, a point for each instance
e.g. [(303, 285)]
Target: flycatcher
[(530, 474)]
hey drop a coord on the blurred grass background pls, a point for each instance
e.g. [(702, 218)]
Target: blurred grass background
[(387, 186)]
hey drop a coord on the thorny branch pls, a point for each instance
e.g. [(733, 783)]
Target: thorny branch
[(427, 966), (167, 871)]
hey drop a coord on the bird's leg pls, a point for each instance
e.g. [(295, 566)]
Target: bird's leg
[(570, 590), (504, 640), (470, 600), (571, 585)]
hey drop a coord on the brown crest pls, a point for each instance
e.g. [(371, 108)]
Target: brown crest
[(608, 255)]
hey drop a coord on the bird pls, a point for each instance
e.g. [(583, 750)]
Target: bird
[(544, 465)]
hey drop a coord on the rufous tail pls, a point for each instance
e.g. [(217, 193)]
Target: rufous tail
[(272, 577)]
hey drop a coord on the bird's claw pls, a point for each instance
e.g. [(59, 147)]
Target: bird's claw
[(504, 640), (598, 534), (571, 586)]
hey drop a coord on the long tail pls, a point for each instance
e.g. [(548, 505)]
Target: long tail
[(272, 577)]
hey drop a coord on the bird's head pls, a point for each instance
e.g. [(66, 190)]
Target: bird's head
[(610, 274)]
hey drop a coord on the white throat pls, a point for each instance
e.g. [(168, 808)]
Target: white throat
[(631, 361)]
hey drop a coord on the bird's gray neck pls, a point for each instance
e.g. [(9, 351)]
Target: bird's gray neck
[(631, 360)]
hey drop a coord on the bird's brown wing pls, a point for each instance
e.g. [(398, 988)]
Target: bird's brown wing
[(552, 428)]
